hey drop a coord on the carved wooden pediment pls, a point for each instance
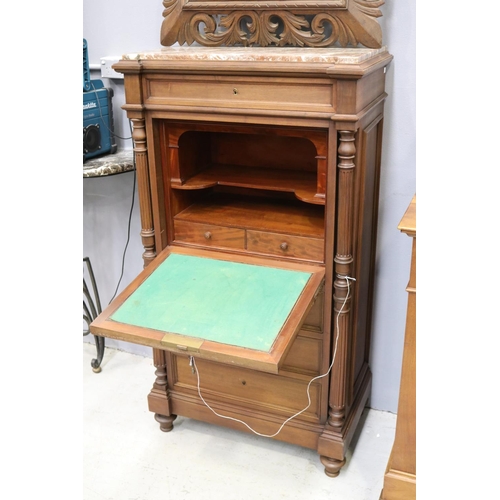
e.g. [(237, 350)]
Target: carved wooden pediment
[(300, 23)]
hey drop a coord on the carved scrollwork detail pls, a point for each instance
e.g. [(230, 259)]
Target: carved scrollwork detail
[(296, 31), (230, 24), (249, 28), (263, 30), (340, 32), (370, 7), (169, 6)]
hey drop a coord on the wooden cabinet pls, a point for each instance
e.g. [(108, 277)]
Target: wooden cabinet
[(401, 474), (269, 160)]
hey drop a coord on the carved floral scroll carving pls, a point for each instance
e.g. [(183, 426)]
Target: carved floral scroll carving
[(300, 23)]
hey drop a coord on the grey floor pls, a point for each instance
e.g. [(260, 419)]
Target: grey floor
[(127, 457)]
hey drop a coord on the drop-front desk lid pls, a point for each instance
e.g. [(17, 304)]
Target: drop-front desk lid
[(239, 310)]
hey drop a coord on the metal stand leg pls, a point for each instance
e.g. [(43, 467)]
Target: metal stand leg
[(91, 309)]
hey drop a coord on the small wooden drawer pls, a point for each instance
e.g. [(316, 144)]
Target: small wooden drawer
[(208, 235), (288, 246), (249, 388), (238, 92)]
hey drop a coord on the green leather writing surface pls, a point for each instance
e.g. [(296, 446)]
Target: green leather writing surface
[(244, 305)]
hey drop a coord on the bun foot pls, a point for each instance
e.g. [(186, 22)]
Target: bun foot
[(332, 466), (166, 422)]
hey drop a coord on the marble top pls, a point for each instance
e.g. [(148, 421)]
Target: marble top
[(258, 54), (111, 164)]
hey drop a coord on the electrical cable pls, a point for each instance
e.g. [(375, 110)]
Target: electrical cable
[(129, 220), (192, 363), (133, 189)]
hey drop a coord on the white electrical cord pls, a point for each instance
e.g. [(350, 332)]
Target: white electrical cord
[(192, 363)]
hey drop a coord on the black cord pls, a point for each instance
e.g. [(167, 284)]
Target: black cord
[(129, 222), (133, 191), (102, 118)]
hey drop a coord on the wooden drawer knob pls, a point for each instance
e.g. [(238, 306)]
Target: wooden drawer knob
[(208, 235), (235, 91), (284, 246)]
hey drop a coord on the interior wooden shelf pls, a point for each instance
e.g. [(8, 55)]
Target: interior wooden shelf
[(281, 216), (302, 184)]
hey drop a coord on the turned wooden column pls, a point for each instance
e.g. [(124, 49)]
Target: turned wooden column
[(343, 270), (160, 392), (158, 397), (332, 453), (141, 161)]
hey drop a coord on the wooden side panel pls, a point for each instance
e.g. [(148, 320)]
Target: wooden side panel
[(304, 356), (401, 474), (368, 180), (369, 88)]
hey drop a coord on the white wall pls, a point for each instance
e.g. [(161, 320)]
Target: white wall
[(116, 27)]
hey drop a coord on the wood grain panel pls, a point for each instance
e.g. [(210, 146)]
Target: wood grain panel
[(304, 356), (314, 319)]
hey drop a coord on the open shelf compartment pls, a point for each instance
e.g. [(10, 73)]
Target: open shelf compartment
[(278, 159)]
